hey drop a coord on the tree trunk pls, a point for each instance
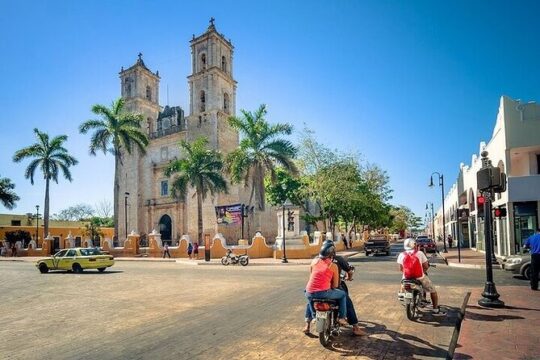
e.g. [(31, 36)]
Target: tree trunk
[(199, 217), (46, 210), (116, 191)]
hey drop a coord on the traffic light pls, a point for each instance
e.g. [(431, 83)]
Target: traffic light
[(500, 212), (480, 201)]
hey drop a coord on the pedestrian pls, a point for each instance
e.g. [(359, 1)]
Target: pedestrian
[(533, 244), (196, 250), (166, 251), (450, 240), (190, 250), (344, 239), (14, 250)]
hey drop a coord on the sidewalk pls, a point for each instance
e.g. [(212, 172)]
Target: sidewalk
[(469, 258), (507, 333), (186, 261)]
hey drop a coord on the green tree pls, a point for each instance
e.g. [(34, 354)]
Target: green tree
[(261, 150), (50, 156), (115, 132), (201, 168), (92, 229), (7, 195), (78, 212)]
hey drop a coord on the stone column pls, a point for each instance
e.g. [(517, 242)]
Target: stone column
[(131, 246), (48, 245), (154, 243)]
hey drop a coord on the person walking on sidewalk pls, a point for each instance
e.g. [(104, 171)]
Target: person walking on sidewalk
[(450, 240), (533, 243), (166, 251), (196, 250), (190, 250)]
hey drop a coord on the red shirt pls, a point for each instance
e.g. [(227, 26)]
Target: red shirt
[(321, 276)]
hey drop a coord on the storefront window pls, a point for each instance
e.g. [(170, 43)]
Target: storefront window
[(525, 222)]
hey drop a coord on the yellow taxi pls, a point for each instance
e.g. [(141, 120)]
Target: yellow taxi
[(76, 260)]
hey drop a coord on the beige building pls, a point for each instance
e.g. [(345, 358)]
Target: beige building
[(144, 193)]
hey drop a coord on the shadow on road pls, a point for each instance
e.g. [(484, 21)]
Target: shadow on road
[(86, 272), (389, 343)]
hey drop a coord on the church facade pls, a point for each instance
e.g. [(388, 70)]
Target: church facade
[(144, 194)]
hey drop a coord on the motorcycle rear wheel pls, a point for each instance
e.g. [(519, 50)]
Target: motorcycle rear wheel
[(325, 335), (410, 308), (244, 260)]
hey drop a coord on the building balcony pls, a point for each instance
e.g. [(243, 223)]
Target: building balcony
[(164, 132), (524, 188)]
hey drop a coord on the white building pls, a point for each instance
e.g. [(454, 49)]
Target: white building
[(514, 148)]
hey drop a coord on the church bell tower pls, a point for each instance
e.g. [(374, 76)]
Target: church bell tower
[(212, 90)]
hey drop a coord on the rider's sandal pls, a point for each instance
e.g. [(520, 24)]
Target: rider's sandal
[(358, 332), (306, 330), (343, 322)]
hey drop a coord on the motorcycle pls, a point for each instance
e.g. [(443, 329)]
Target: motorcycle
[(413, 296), (326, 315), (233, 259)]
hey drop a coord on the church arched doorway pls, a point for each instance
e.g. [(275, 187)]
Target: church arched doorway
[(165, 229)]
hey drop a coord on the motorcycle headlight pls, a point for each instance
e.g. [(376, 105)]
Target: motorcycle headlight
[(514, 261)]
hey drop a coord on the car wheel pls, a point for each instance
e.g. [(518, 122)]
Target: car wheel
[(101, 269), (43, 268), (77, 268), (527, 272)]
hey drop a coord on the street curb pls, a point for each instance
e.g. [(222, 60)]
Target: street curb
[(457, 328), (471, 266)]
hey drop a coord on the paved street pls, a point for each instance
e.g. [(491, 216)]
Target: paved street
[(156, 310)]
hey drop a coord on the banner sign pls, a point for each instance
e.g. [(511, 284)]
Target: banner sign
[(229, 214)]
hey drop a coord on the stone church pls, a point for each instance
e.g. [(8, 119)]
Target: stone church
[(144, 194)]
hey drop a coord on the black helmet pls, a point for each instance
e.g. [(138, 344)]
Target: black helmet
[(327, 249)]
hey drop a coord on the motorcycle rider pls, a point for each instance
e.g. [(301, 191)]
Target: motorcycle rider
[(408, 263), (324, 283), (342, 264)]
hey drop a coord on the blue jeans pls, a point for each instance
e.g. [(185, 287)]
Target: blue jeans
[(334, 294), (352, 319)]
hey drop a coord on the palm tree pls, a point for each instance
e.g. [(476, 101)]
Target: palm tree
[(202, 170), (50, 156), (7, 195), (261, 150), (116, 131)]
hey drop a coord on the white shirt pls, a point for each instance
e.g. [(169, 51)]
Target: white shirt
[(419, 254)]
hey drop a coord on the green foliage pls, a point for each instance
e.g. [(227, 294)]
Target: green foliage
[(7, 195), (117, 129), (201, 168), (51, 157), (260, 151), (93, 228), (403, 218), (284, 187), (342, 189), (18, 235), (78, 212)]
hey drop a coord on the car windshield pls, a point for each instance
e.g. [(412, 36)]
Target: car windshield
[(423, 241), (90, 251)]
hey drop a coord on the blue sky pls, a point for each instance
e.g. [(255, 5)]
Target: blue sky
[(414, 86)]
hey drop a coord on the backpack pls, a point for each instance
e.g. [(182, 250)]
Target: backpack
[(412, 268)]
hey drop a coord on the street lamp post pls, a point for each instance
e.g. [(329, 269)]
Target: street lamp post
[(490, 296), (286, 204), (126, 194), (432, 220), (441, 184), (37, 224)]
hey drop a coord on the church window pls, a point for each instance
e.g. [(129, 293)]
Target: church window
[(203, 61), (148, 93), (224, 63), (127, 87), (164, 153), (149, 125), (202, 106), (226, 102), (164, 188)]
